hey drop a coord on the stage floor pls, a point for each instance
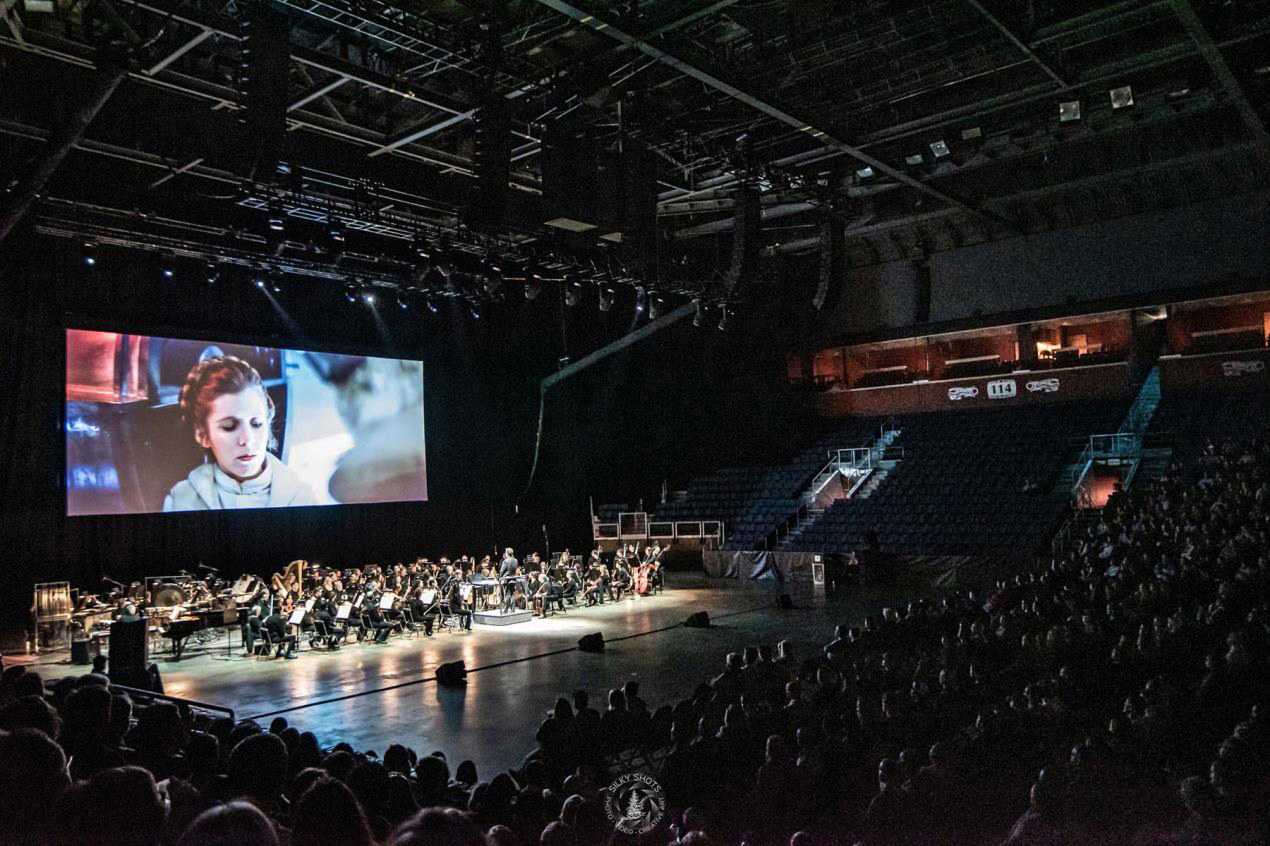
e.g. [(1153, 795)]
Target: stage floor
[(372, 696)]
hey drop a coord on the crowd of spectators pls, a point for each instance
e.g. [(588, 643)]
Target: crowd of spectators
[(1113, 693)]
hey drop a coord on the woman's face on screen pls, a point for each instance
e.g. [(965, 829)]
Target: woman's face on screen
[(237, 432)]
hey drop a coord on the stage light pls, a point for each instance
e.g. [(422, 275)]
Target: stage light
[(572, 290), (433, 306), (421, 247), (493, 284), (403, 300), (641, 299), (277, 217), (1069, 111), (1122, 97), (275, 283), (657, 307), (368, 297), (725, 312), (700, 317), (211, 272), (607, 296), (533, 287), (90, 254), (335, 230), (259, 281), (915, 160), (939, 148), (167, 265), (474, 308), (972, 133), (350, 293)]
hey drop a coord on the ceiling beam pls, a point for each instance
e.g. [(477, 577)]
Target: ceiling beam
[(316, 93), (1014, 39), (1221, 69), (189, 45), (766, 106)]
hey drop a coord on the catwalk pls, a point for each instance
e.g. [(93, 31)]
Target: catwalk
[(372, 696)]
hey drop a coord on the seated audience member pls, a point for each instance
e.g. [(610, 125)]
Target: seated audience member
[(232, 824)]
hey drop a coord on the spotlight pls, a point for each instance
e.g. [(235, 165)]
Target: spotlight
[(474, 308), (259, 281), (572, 290), (725, 312), (350, 292), (533, 287), (939, 148), (90, 254), (433, 306), (335, 230), (700, 317), (914, 160), (641, 299), (972, 133), (864, 173), (403, 300), (211, 272), (368, 297), (277, 218), (657, 307), (421, 248), (275, 283), (1069, 111), (167, 265), (607, 295), (1122, 97)]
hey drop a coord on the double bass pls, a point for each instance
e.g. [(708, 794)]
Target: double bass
[(641, 585)]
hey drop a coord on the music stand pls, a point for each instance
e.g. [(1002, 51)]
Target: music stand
[(229, 621)]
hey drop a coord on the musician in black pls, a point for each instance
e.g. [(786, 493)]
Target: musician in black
[(424, 605), (620, 580), (452, 600), (276, 627), (594, 587), (378, 623)]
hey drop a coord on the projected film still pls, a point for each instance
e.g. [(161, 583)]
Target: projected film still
[(168, 424)]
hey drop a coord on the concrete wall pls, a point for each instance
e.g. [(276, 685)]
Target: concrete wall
[(1155, 251)]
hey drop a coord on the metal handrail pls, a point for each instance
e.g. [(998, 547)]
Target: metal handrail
[(193, 703)]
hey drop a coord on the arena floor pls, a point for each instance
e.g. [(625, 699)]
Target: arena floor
[(372, 696)]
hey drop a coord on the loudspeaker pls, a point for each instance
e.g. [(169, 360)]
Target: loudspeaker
[(263, 76), (784, 602), (829, 283), (79, 651), (921, 309), (699, 620), (452, 674), (745, 238), (128, 647), (491, 158), (639, 212), (591, 643)]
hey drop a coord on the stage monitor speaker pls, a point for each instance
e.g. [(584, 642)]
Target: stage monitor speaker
[(452, 674), (699, 620), (784, 601), (128, 646), (591, 643), (79, 651)]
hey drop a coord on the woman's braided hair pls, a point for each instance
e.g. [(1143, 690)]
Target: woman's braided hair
[(214, 377)]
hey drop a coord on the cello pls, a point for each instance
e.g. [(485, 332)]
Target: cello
[(641, 586)]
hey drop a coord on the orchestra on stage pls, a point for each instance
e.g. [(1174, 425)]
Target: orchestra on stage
[(328, 606)]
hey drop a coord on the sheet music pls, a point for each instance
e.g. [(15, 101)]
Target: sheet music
[(343, 611), (428, 596), (385, 601), (297, 617)]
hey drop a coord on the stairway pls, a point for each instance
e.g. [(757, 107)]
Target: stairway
[(881, 470), (813, 514), (1152, 464), (1144, 405)]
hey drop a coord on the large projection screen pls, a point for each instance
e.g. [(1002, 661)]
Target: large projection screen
[(169, 424)]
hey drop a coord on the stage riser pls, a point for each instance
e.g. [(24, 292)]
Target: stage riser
[(482, 618)]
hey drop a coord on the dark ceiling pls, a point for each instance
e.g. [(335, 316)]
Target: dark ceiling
[(919, 125)]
